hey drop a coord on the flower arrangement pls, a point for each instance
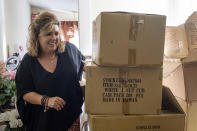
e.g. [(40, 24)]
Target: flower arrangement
[(8, 113), (7, 89), (12, 121)]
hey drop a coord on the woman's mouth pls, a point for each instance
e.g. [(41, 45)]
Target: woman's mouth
[(52, 44)]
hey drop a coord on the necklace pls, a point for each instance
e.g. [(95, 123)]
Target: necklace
[(52, 58)]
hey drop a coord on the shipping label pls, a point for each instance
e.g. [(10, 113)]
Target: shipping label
[(122, 90)]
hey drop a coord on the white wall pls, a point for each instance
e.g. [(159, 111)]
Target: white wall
[(17, 20), (177, 11), (89, 9), (3, 51), (61, 15), (84, 27), (183, 9), (140, 6)]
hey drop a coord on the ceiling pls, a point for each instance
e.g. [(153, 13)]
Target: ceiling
[(57, 5)]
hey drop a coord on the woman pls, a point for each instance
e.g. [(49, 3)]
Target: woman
[(49, 97)]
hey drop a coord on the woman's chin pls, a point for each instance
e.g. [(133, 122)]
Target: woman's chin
[(52, 48)]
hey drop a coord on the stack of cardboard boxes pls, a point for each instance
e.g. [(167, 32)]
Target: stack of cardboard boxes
[(182, 79), (124, 85)]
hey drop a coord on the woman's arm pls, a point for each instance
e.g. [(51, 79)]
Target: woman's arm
[(53, 102), (33, 98)]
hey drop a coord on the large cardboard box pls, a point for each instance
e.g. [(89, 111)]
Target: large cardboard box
[(172, 118), (190, 109), (183, 81), (191, 31), (122, 90), (128, 39), (169, 65), (192, 57), (176, 45)]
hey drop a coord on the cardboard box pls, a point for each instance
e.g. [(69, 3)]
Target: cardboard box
[(171, 119), (175, 42), (183, 81), (192, 57), (128, 39), (190, 109), (116, 90), (169, 65), (191, 31)]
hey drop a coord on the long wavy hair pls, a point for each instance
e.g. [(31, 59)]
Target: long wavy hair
[(45, 22)]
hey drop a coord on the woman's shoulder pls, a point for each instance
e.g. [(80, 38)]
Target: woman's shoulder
[(27, 60), (74, 51), (25, 64), (27, 57), (71, 46)]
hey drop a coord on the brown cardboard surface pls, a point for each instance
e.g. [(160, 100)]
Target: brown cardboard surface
[(175, 42), (183, 81), (192, 57), (175, 81), (128, 39), (190, 109), (171, 119), (191, 31), (169, 65), (121, 90)]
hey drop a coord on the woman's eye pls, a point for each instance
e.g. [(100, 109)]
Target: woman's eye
[(48, 34), (56, 33)]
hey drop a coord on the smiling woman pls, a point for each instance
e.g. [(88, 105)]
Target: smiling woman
[(49, 96)]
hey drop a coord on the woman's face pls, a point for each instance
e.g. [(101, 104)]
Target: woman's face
[(49, 39)]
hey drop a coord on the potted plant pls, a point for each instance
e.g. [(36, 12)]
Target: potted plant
[(7, 90)]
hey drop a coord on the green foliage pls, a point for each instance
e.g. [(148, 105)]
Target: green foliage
[(7, 89)]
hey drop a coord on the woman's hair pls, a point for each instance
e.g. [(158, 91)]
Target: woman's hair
[(45, 21)]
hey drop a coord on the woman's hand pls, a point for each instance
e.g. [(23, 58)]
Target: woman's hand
[(56, 103)]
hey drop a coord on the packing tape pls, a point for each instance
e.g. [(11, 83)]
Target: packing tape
[(141, 117), (100, 60), (125, 108), (161, 75), (123, 75), (133, 27), (131, 57), (105, 63), (89, 72), (151, 65), (158, 111), (136, 25)]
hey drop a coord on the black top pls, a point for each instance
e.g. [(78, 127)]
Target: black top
[(64, 82)]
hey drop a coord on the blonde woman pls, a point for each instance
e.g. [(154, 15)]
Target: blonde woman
[(49, 97)]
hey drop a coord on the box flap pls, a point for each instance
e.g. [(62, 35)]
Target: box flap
[(192, 17), (175, 81), (169, 65), (191, 31), (169, 102), (125, 12), (190, 71), (176, 45), (192, 57)]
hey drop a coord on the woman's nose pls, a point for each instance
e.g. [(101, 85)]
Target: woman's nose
[(53, 36)]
